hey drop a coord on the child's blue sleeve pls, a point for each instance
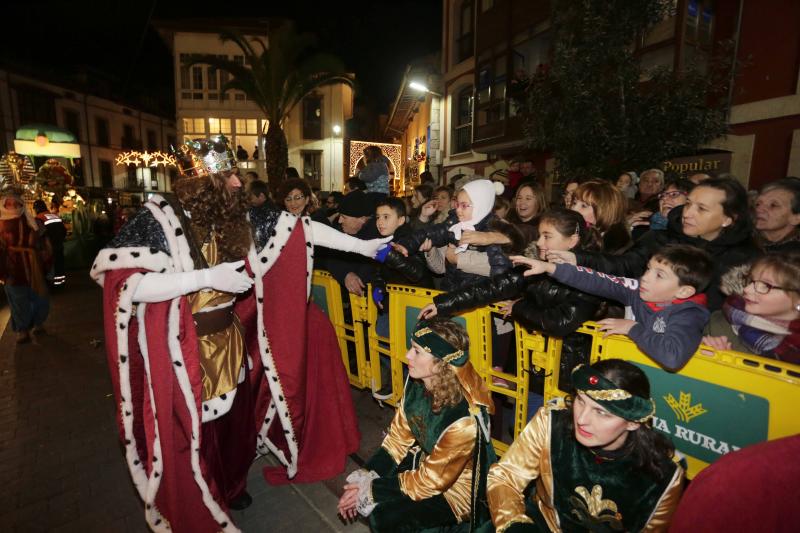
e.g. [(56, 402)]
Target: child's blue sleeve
[(624, 290), (671, 344)]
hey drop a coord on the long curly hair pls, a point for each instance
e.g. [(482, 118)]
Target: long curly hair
[(444, 385), (212, 206)]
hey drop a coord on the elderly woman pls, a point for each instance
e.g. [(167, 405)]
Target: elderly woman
[(430, 470), (777, 216), (762, 314), (22, 266), (597, 463)]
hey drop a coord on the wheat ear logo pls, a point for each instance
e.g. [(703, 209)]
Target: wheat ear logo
[(683, 408)]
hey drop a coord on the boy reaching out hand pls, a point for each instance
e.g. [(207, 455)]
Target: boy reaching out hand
[(666, 304)]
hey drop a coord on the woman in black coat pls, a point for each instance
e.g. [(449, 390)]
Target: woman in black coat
[(715, 219)]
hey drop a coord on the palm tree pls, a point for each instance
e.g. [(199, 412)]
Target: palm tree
[(276, 76)]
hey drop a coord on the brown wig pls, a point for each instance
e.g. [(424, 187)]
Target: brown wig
[(213, 207)]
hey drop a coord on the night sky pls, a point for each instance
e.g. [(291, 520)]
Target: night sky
[(376, 39)]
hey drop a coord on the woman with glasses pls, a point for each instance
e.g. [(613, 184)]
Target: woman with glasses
[(715, 218), (295, 195), (762, 314), (674, 194)]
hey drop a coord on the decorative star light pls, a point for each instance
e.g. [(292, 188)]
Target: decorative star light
[(145, 159)]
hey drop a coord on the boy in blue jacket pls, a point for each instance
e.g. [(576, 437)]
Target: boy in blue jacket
[(665, 309)]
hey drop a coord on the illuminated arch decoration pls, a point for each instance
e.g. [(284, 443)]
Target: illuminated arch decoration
[(146, 159), (391, 151)]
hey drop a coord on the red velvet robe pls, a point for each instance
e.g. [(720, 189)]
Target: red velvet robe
[(295, 401)]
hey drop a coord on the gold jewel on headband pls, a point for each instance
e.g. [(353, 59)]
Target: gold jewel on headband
[(612, 394), (453, 356)]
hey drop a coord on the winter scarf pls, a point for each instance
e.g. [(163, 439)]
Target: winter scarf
[(768, 337)]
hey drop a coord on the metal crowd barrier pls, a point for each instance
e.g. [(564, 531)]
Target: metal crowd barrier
[(719, 402)]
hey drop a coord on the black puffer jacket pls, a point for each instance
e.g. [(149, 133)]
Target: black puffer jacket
[(547, 306), (440, 235), (733, 247)]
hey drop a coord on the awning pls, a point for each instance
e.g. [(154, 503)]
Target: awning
[(46, 140)]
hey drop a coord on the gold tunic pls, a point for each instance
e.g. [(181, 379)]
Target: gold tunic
[(447, 470), (527, 459), (221, 353)]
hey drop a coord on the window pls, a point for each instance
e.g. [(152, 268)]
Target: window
[(194, 126), (171, 141), (106, 174), (464, 44), (152, 144), (312, 117), (462, 122), (247, 126), (101, 131), (219, 125), (185, 84), (128, 140), (133, 181), (72, 122), (312, 166)]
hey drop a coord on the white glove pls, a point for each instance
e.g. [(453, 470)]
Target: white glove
[(227, 277), (363, 479), (328, 237), (157, 287)]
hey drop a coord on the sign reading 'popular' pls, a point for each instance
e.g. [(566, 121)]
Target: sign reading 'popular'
[(704, 420)]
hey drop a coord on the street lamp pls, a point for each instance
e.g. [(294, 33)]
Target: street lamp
[(337, 129), (421, 87)]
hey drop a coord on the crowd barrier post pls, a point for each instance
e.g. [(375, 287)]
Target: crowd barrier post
[(327, 294)]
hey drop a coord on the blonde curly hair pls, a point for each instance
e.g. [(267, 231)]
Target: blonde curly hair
[(444, 385)]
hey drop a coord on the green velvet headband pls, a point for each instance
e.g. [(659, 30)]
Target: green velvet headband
[(617, 401), (435, 345)]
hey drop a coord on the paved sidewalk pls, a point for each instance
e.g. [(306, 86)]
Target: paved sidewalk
[(61, 466)]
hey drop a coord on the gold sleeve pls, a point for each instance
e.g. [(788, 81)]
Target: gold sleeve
[(520, 465), (438, 471), (662, 515), (399, 439)]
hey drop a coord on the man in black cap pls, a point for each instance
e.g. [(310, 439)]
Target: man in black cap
[(356, 218)]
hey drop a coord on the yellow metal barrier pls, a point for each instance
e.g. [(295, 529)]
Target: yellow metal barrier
[(719, 402), (327, 294)]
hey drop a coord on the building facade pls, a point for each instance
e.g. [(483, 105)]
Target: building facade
[(314, 128), (104, 128), (490, 44)]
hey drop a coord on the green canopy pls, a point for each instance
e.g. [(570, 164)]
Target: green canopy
[(28, 132)]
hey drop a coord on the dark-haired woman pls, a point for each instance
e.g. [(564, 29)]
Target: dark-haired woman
[(597, 463), (715, 218), (295, 194)]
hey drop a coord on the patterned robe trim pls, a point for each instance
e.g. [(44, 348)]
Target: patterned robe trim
[(261, 262), (153, 260)]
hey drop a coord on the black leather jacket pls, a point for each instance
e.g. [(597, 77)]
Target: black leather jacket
[(546, 306), (440, 235)]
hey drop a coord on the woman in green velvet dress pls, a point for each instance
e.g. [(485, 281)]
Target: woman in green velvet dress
[(596, 462), (430, 471)]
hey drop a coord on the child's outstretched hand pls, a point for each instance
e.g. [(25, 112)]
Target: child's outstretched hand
[(616, 325), (429, 311), (534, 265), (562, 257)]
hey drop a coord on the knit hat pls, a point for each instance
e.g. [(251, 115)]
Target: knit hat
[(481, 194), (356, 204)]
